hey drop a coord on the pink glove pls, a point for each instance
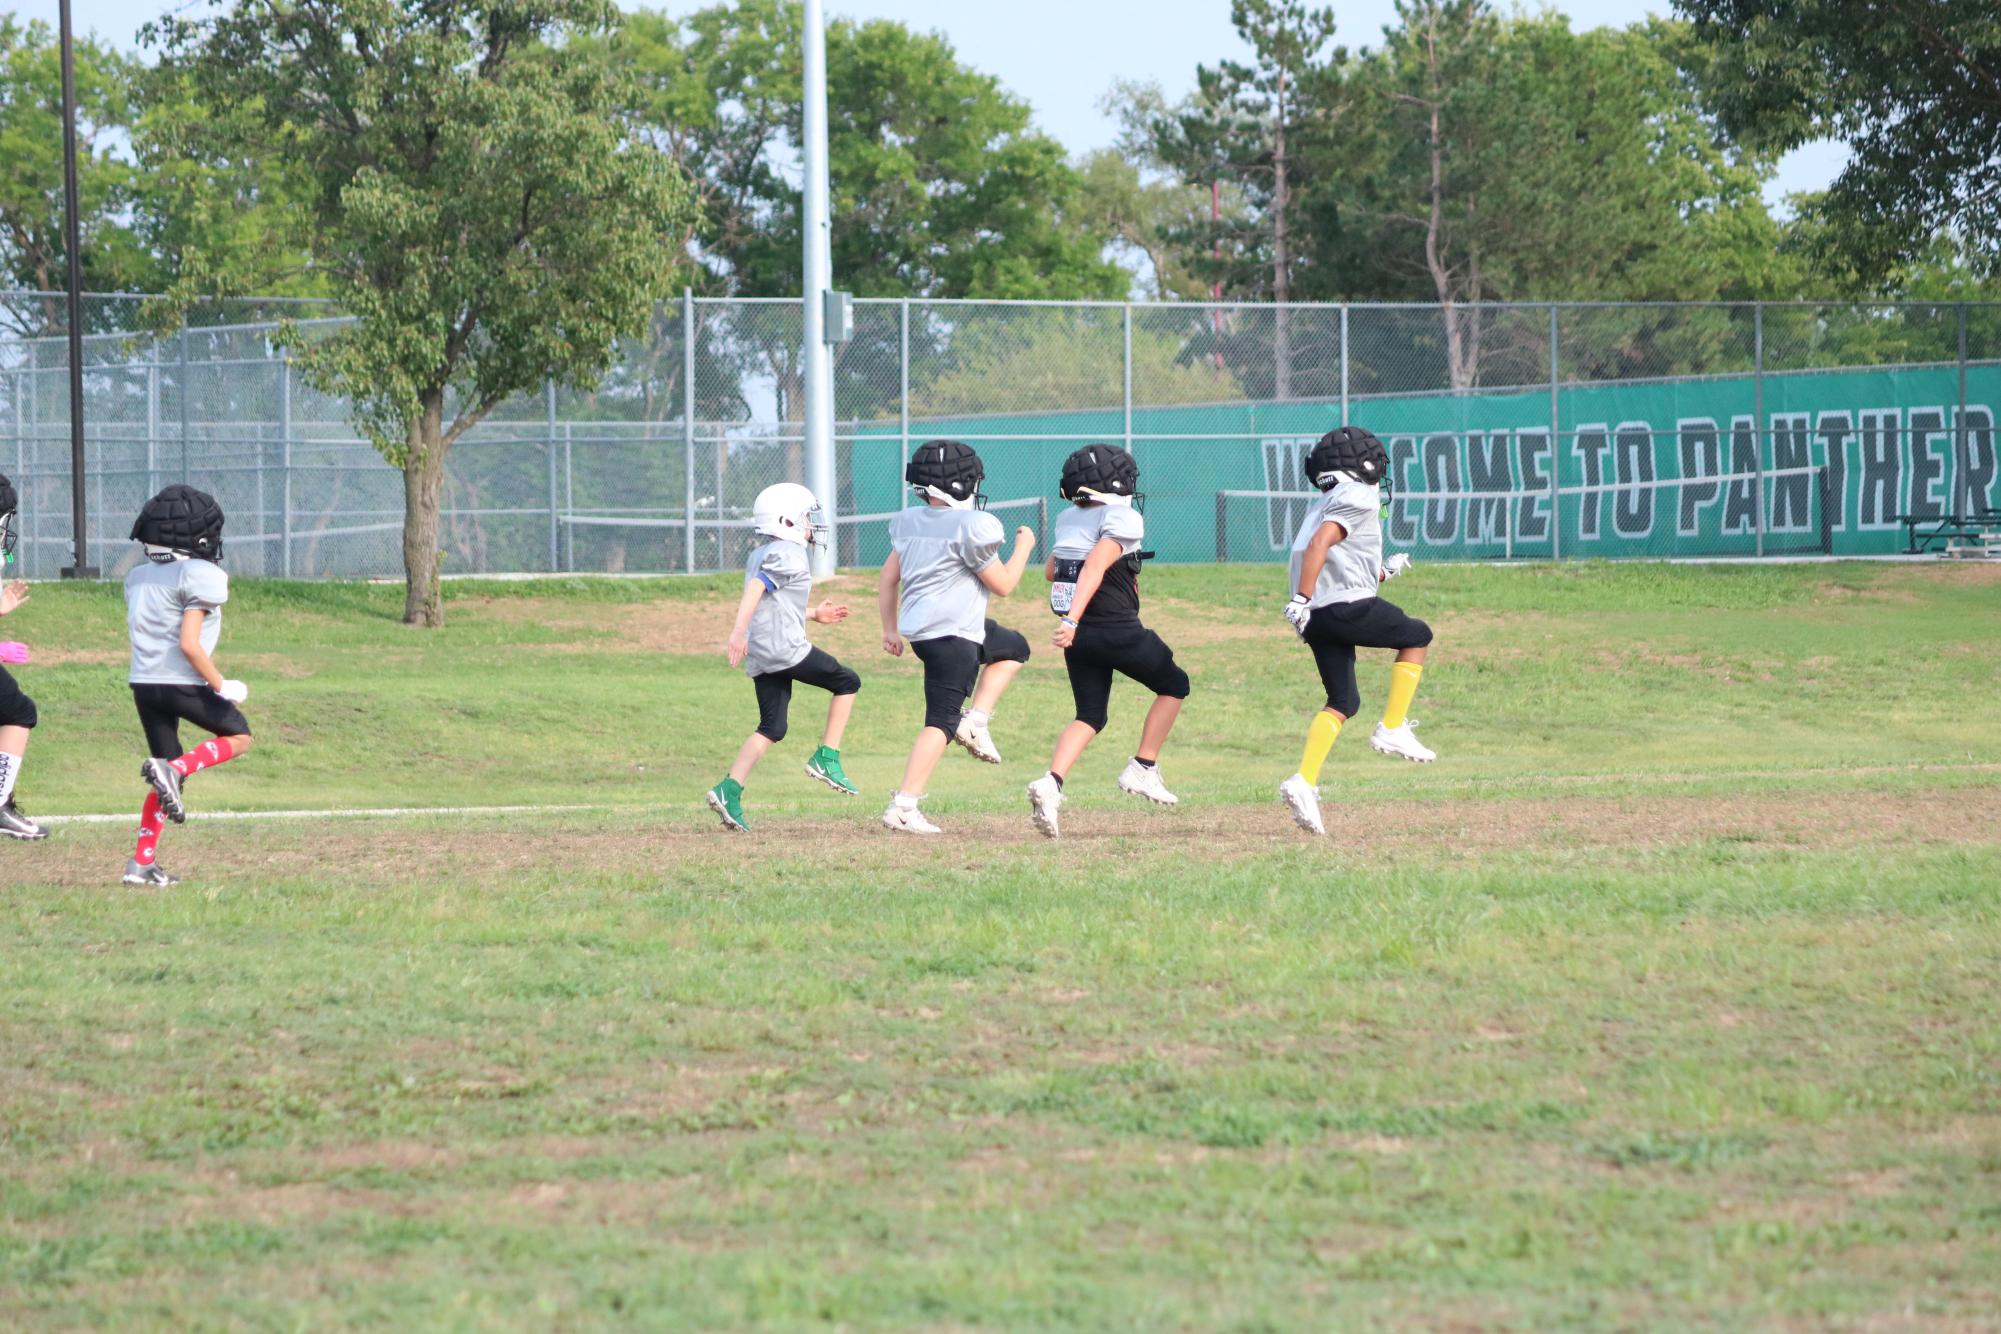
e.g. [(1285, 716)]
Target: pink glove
[(13, 654)]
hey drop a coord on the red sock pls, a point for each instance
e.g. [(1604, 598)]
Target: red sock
[(205, 756), (149, 830)]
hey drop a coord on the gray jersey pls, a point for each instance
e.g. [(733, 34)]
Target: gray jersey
[(778, 627), (942, 552), (1079, 529), (1354, 564), (156, 597)]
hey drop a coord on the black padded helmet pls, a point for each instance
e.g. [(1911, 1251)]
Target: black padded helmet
[(1348, 449), (9, 504), (948, 469), (1099, 470), (183, 521)]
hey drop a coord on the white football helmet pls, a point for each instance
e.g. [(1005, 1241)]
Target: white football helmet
[(788, 512)]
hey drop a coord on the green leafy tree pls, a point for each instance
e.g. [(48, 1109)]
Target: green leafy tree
[(1244, 128), (1914, 89), (116, 256), (475, 203)]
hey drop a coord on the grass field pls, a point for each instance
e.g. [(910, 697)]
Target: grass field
[(1668, 997)]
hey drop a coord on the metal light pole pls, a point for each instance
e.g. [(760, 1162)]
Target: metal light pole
[(81, 567), (819, 282)]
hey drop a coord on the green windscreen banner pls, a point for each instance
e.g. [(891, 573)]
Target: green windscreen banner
[(1681, 468)]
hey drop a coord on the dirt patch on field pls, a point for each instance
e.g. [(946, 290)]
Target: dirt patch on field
[(621, 844)]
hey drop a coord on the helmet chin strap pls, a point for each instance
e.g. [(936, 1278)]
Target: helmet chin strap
[(950, 500)]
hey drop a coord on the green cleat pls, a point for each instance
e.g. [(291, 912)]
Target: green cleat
[(726, 800), (825, 765)]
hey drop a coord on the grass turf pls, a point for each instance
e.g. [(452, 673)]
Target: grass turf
[(1666, 997)]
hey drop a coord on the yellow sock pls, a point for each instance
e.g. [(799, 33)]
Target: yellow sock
[(1319, 740), (1403, 689)]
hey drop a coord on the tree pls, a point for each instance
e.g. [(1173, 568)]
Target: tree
[(32, 251), (1243, 129), (1485, 159), (1913, 88), (474, 202)]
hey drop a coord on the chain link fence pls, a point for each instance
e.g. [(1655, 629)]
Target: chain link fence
[(1515, 432)]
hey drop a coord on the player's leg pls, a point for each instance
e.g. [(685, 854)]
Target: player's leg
[(1150, 662), (1334, 657), (1091, 692), (17, 720), (162, 725), (950, 665), (774, 701), (1001, 657), (1387, 626), (822, 669)]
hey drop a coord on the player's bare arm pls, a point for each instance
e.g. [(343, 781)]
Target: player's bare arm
[(746, 607), (1002, 577), (1089, 580), (885, 604)]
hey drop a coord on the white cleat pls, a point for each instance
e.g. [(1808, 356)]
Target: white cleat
[(1303, 800), (1142, 781), (1401, 742), (1045, 799), (972, 734), (908, 820)]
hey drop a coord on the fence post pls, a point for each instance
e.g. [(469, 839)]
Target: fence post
[(1344, 369), (1555, 446), (21, 382), (555, 528), (570, 493), (285, 458), (688, 430), (1962, 463), (1128, 390), (903, 398), (153, 420), (182, 395), (1758, 411)]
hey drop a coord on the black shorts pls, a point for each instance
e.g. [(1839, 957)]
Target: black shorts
[(1126, 647), (951, 669), (774, 689), (1339, 628), (16, 709), (1003, 645), (163, 708)]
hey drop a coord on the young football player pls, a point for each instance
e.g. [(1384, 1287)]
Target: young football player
[(173, 610), (1093, 569), (17, 711), (1337, 569), (769, 642), (943, 564)]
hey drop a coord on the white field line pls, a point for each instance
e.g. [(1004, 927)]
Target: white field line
[(371, 813)]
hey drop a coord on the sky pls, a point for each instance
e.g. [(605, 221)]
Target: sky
[(1062, 55)]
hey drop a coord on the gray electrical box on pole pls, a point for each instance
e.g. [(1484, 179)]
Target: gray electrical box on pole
[(840, 318)]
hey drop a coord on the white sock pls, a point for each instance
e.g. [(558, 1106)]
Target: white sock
[(10, 769), (903, 801), (978, 717)]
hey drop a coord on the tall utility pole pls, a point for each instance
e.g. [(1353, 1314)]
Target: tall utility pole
[(818, 285), (80, 567)]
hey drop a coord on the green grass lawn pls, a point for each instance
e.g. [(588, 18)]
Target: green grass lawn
[(1666, 998)]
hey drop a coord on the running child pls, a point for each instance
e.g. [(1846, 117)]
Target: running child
[(17, 711), (769, 642), (1093, 569), (944, 562), (173, 609), (1337, 570)]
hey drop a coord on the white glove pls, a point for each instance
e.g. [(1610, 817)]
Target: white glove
[(1395, 566), (234, 691), (1299, 611)]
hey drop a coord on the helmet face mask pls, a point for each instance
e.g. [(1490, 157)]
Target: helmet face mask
[(180, 523), (1101, 473), (947, 471), (790, 513), (10, 505), (1348, 451)]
